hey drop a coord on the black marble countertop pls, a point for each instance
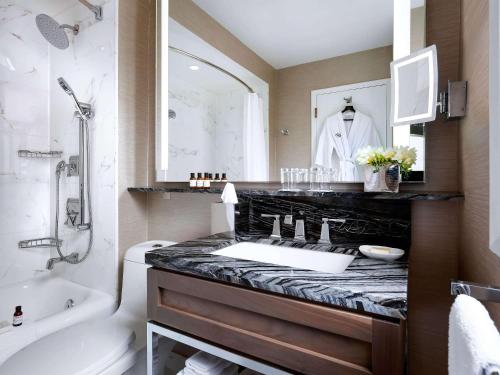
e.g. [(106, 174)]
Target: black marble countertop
[(406, 195), (368, 285)]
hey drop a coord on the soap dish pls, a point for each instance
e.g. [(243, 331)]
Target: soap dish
[(388, 254)]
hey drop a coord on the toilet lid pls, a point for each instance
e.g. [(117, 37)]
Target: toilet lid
[(82, 349)]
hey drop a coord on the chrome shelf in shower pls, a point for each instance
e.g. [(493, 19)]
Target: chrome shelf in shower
[(38, 242), (39, 154)]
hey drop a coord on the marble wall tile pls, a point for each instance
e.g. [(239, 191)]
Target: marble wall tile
[(36, 114), (229, 134), (372, 222), (89, 67), (192, 133), (24, 183)]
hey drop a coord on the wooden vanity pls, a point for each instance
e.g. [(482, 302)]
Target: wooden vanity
[(297, 336)]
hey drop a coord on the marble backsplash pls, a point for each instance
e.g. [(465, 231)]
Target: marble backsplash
[(374, 222)]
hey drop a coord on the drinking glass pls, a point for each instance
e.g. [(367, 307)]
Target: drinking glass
[(286, 179)]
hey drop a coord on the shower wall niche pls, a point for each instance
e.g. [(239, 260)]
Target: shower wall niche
[(36, 114)]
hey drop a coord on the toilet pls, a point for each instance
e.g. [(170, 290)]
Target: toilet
[(107, 346)]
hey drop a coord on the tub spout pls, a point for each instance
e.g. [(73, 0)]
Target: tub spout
[(71, 258)]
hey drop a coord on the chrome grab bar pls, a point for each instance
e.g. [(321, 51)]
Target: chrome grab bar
[(481, 292)]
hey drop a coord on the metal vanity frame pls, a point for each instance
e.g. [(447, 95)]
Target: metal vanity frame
[(154, 328)]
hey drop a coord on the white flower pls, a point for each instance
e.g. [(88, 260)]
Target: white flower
[(364, 155), (405, 155)]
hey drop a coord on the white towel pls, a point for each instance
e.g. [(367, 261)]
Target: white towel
[(229, 194), (473, 340), (222, 369), (203, 363)]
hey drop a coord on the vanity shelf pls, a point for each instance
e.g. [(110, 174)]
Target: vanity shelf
[(39, 154), (38, 242), (273, 190)]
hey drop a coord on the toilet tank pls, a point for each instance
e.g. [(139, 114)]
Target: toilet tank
[(134, 286)]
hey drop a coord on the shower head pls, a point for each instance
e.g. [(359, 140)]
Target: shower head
[(67, 89), (84, 109), (53, 32)]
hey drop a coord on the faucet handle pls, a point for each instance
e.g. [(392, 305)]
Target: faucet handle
[(276, 235), (325, 230), (276, 217), (326, 220)]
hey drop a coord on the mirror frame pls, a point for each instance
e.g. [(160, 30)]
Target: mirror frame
[(161, 126), (494, 128), (429, 54)]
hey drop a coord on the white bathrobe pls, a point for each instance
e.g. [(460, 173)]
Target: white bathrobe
[(338, 146)]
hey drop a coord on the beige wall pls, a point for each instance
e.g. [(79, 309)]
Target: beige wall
[(179, 216), (294, 97), (477, 262), (135, 120)]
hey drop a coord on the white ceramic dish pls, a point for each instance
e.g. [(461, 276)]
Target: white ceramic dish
[(388, 254)]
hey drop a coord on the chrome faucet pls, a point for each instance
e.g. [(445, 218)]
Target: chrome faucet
[(276, 235), (300, 235), (325, 230), (71, 258)]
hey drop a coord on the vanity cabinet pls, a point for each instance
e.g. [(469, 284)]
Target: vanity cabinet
[(298, 336)]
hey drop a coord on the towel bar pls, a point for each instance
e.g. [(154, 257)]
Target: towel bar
[(481, 292)]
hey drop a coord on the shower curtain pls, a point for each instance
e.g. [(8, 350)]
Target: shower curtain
[(254, 140)]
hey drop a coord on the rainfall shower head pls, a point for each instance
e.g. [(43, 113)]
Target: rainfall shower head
[(53, 32), (84, 109)]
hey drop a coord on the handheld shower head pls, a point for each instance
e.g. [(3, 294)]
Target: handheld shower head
[(67, 88), (84, 109)]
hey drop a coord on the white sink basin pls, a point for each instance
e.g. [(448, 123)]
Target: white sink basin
[(288, 256)]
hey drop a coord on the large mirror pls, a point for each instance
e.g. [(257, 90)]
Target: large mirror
[(328, 95)]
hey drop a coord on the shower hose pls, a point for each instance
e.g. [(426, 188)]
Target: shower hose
[(60, 167)]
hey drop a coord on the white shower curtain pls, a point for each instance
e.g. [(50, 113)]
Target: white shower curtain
[(254, 140)]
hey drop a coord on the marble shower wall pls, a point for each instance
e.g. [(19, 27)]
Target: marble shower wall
[(206, 135), (229, 134), (192, 133), (36, 114), (89, 67), (24, 116)]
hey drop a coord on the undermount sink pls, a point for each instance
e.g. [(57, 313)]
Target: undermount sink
[(288, 256)]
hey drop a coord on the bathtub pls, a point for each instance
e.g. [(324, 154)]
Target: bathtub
[(44, 301)]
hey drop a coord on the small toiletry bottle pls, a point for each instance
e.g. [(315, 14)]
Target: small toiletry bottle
[(211, 176), (217, 178), (192, 181), (199, 181), (18, 317), (224, 178), (206, 181)]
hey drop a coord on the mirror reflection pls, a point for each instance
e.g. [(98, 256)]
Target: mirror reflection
[(328, 98)]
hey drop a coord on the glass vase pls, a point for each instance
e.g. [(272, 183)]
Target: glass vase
[(382, 180), (393, 177)]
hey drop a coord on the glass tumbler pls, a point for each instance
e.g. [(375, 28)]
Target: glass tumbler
[(286, 179), (328, 177), (315, 178)]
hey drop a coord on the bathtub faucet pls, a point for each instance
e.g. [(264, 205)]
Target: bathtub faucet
[(73, 257)]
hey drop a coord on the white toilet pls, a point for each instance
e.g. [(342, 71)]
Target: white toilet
[(108, 346)]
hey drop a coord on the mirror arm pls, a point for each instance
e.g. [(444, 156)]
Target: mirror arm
[(453, 101)]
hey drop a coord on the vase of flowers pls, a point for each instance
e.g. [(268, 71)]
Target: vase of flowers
[(383, 167)]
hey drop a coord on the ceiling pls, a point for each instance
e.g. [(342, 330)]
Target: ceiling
[(206, 77), (291, 32)]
